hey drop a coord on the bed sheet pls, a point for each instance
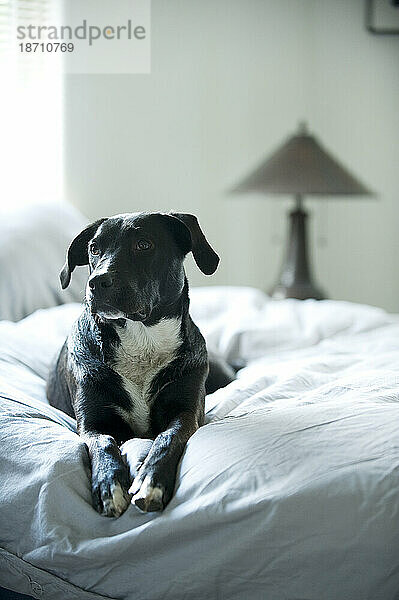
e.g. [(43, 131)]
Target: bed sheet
[(290, 489)]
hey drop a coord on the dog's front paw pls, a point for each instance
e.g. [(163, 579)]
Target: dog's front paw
[(149, 495), (110, 496)]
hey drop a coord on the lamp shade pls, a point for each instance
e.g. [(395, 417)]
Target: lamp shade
[(302, 166)]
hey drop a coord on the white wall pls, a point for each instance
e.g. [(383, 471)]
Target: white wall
[(230, 80), (355, 108)]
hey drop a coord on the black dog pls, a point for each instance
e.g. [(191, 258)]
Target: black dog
[(135, 364)]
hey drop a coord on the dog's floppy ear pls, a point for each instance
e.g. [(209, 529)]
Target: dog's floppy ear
[(77, 254), (204, 255)]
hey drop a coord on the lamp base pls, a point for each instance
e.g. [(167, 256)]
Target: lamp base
[(300, 291), (295, 279)]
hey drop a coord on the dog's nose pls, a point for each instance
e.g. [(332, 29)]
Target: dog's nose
[(104, 280)]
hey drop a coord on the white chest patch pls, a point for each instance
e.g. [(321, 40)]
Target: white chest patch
[(142, 353)]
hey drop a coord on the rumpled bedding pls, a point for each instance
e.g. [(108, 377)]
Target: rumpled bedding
[(289, 491)]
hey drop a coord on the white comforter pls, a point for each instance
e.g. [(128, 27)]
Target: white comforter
[(290, 491)]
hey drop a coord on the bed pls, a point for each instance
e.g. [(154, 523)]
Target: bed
[(289, 491)]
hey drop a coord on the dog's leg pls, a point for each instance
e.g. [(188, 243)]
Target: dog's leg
[(220, 373), (177, 413), (109, 475), (153, 486)]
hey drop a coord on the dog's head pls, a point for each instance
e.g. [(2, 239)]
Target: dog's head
[(136, 261)]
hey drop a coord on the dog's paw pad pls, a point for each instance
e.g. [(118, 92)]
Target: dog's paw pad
[(115, 502), (149, 498)]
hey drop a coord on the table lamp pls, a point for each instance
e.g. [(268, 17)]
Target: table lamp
[(302, 167)]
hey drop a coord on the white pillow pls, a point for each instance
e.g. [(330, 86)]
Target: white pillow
[(33, 244)]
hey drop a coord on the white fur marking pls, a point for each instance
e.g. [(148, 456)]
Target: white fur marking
[(142, 353), (119, 497), (117, 503), (111, 315), (148, 493)]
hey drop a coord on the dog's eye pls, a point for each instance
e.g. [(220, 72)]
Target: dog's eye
[(143, 245), (94, 249)]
